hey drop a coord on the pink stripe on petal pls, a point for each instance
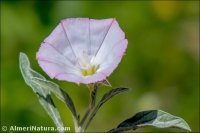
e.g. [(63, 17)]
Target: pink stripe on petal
[(99, 30), (68, 77), (77, 32), (47, 52), (58, 40), (49, 68), (118, 51), (93, 78), (111, 55), (115, 34)]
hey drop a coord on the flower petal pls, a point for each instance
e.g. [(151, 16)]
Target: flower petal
[(77, 44), (68, 77), (56, 63), (93, 78), (114, 35), (61, 44), (77, 32), (113, 58), (85, 80), (98, 32)]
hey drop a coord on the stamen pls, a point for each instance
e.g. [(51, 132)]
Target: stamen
[(89, 71)]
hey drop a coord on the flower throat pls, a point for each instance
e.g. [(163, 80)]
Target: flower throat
[(89, 71)]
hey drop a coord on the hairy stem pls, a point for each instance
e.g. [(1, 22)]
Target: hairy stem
[(93, 93)]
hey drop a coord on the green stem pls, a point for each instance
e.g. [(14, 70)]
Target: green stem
[(77, 128), (93, 93)]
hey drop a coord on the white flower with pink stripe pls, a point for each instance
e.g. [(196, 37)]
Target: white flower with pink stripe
[(82, 50)]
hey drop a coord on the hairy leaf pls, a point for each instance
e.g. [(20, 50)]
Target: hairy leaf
[(50, 108), (43, 94), (112, 93), (61, 94), (151, 118), (105, 98)]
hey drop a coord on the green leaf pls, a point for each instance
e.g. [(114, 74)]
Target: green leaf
[(39, 83), (50, 108), (151, 118), (61, 94), (111, 93), (105, 98), (43, 94), (28, 74)]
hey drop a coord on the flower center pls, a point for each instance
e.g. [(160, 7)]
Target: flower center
[(89, 71)]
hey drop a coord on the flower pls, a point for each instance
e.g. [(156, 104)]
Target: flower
[(82, 50)]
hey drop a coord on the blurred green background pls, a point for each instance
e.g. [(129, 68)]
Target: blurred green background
[(161, 64)]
